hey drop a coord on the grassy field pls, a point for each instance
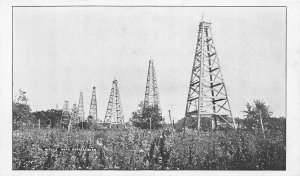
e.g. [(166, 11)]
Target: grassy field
[(135, 149)]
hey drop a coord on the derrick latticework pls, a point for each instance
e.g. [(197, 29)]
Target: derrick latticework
[(22, 99), (114, 112), (73, 118), (151, 93), (80, 108), (93, 107), (207, 94), (65, 118)]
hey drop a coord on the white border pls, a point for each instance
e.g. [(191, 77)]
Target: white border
[(293, 94)]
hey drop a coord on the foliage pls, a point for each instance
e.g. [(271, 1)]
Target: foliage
[(51, 118), (21, 114), (136, 149), (133, 148), (275, 124), (253, 113), (90, 119), (192, 123), (141, 117), (83, 125)]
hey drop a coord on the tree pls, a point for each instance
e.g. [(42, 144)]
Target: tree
[(83, 125), (21, 114), (90, 119), (51, 118), (142, 116), (54, 117), (256, 113)]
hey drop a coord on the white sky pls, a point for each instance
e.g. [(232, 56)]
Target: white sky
[(59, 51)]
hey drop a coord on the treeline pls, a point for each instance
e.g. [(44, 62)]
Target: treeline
[(257, 117), (24, 117), (270, 124)]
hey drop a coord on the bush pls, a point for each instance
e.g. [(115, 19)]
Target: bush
[(21, 115), (136, 149), (141, 118)]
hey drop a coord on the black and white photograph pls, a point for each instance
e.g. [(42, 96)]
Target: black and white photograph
[(148, 88)]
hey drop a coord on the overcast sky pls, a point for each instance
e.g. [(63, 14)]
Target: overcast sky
[(60, 51)]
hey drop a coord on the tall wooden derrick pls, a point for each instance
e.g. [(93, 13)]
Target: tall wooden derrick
[(151, 93), (74, 120), (22, 99), (80, 108), (114, 113), (65, 118), (207, 95), (93, 117)]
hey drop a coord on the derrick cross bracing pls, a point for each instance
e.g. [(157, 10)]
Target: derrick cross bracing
[(114, 112), (93, 107), (74, 118), (65, 118), (207, 95), (151, 93), (80, 108)]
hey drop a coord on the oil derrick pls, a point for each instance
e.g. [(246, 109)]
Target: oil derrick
[(151, 94), (80, 108), (65, 118), (22, 99), (74, 117), (114, 112), (207, 95), (93, 107)]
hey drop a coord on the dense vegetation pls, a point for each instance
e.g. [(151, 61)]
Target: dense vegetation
[(137, 147), (147, 117), (143, 149)]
